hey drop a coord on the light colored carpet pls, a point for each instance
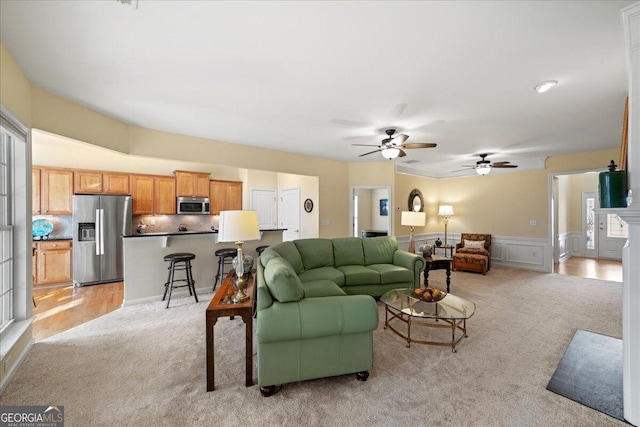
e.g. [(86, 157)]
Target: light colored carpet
[(145, 366)]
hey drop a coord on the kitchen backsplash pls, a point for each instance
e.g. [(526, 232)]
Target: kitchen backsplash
[(172, 223)]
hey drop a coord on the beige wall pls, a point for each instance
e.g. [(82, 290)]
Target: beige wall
[(580, 183), (564, 203), (15, 89)]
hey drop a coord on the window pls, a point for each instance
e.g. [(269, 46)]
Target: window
[(6, 230), (590, 222), (616, 227)]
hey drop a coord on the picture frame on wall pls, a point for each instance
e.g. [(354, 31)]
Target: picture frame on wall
[(384, 207)]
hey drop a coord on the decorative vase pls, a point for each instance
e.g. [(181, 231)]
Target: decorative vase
[(438, 242), (426, 250)]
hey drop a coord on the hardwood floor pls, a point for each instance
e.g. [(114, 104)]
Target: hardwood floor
[(603, 269), (62, 307)]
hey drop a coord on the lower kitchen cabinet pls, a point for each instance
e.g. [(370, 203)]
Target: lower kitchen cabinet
[(52, 262)]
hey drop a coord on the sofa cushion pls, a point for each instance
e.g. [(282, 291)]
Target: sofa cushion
[(282, 281), (379, 250), (288, 251), (473, 251), (359, 275), (328, 273), (315, 252), (348, 251), (390, 273), (267, 255), (321, 288)]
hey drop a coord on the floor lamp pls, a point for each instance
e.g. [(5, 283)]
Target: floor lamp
[(446, 212), (413, 219)]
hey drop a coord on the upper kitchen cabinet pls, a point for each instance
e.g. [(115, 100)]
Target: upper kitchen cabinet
[(192, 184), (97, 182), (51, 191), (225, 196), (153, 195)]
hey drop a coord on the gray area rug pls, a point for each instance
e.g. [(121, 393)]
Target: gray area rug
[(590, 372), (145, 365)]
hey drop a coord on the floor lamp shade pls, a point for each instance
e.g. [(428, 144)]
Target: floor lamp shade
[(446, 212), (413, 219)]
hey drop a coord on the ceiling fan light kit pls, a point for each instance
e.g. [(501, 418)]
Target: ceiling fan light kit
[(392, 147), (483, 169)]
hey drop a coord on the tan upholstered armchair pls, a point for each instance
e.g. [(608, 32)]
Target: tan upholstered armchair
[(473, 253)]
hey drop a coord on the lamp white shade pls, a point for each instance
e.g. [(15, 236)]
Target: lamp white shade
[(445, 211), (238, 226), (413, 219)]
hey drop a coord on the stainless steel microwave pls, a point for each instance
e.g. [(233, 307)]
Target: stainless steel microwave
[(193, 206)]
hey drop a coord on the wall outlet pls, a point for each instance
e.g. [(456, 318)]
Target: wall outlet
[(325, 222), (532, 222), (152, 221)]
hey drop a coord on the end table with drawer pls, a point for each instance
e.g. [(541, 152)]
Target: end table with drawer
[(437, 262)]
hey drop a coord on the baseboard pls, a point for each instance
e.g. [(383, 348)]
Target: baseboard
[(8, 376)]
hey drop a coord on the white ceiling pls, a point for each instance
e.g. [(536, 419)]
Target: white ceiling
[(309, 77)]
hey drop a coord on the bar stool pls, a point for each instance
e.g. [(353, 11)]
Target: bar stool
[(261, 249), (179, 261), (225, 256)]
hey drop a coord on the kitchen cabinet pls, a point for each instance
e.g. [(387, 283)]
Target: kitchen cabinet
[(153, 195), (192, 184), (98, 182), (52, 262), (225, 196), (51, 191)]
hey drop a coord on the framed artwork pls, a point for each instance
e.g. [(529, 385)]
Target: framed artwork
[(384, 207), (308, 205)]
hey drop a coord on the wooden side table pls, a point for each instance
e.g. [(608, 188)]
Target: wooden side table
[(445, 248), (222, 306), (437, 262)]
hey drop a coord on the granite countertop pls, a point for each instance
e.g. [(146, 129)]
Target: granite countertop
[(183, 233), (51, 239)]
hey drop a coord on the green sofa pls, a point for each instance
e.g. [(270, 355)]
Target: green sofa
[(315, 308)]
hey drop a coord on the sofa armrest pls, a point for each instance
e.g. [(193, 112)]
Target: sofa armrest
[(317, 317), (411, 262)]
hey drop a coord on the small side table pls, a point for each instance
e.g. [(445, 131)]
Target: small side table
[(445, 248), (437, 262), (221, 306)]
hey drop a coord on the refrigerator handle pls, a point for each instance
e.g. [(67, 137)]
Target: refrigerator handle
[(98, 227), (101, 231)]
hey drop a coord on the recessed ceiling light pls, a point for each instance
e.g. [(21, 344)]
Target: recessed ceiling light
[(544, 86)]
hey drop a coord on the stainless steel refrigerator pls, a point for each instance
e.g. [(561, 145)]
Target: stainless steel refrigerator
[(99, 222)]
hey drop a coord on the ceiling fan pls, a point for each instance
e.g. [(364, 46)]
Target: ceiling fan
[(392, 147), (484, 166)]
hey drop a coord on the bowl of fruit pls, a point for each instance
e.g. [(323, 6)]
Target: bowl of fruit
[(429, 294)]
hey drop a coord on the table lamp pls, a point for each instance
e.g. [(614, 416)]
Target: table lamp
[(446, 212), (413, 219), (239, 227)]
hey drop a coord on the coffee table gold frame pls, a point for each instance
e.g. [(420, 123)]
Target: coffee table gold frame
[(406, 318)]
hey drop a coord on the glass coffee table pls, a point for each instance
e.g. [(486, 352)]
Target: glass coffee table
[(450, 312)]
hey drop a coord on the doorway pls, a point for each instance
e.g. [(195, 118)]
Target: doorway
[(290, 213), (371, 211), (604, 235)]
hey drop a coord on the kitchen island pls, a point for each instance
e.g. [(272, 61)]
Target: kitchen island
[(145, 271)]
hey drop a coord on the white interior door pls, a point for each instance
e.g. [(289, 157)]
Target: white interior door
[(612, 236), (264, 202), (289, 212)]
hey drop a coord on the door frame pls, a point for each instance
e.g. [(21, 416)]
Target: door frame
[(371, 187)]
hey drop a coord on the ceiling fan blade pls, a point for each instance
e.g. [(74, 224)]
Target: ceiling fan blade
[(402, 153), (413, 145), (400, 139), (500, 163), (370, 152), (353, 123), (503, 166), (365, 145), (347, 138), (397, 110)]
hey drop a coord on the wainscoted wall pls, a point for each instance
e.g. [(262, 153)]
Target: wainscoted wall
[(569, 244), (517, 252)]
